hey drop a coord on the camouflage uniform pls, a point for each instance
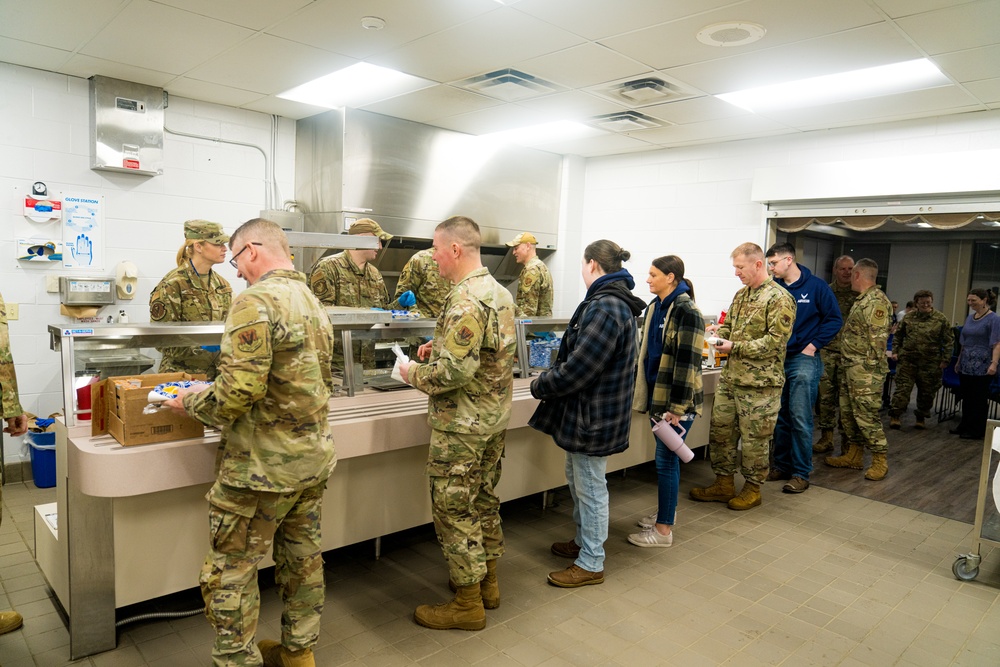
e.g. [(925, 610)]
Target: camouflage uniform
[(337, 281), (9, 400), (469, 377), (185, 296), (271, 401), (748, 397), (862, 369), (829, 386), (534, 290), (922, 344), (420, 275)]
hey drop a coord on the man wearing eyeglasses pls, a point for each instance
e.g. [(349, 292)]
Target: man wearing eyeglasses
[(270, 399), (817, 322), (754, 335)]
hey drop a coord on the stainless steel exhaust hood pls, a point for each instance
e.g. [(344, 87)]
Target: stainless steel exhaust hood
[(351, 164)]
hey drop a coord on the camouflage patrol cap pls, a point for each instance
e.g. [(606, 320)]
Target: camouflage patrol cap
[(203, 230), (369, 226), (523, 237)]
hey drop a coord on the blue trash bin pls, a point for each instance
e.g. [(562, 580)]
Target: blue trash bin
[(42, 449)]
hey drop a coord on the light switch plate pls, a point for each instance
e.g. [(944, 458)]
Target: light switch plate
[(13, 311)]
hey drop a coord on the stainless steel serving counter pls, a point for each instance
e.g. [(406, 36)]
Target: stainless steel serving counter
[(131, 520)]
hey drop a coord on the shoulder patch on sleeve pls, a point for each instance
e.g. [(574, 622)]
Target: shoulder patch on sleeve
[(248, 341), (157, 311), (464, 336), (243, 312)]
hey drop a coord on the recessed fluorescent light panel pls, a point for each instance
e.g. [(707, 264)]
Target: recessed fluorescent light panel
[(859, 84), (355, 86), (546, 133)]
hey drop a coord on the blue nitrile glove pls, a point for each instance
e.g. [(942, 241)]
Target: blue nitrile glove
[(545, 335), (406, 299), (211, 348), (44, 422)]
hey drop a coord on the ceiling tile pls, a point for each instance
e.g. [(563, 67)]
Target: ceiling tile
[(971, 65), (842, 52), (200, 90), (955, 28), (696, 110), (571, 105), (494, 119), (483, 44), (582, 66), (335, 25), (63, 24), (269, 65), (16, 52), (713, 130), (987, 91), (675, 44), (899, 8), (604, 144), (86, 67), (146, 34), (593, 20), (436, 102), (253, 14), (285, 108), (878, 109)]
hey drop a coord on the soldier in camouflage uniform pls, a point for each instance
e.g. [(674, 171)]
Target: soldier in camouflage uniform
[(193, 292), (469, 377), (17, 424), (271, 401), (534, 286), (351, 279), (829, 387), (863, 366), (755, 334), (420, 275), (923, 345)]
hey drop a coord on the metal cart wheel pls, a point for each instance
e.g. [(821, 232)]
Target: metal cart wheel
[(964, 570)]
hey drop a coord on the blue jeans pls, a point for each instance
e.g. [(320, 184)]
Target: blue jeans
[(588, 487), (793, 434), (668, 476)]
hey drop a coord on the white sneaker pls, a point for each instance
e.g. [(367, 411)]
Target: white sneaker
[(651, 538), (647, 522)]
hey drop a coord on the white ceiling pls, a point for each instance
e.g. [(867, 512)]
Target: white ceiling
[(243, 52)]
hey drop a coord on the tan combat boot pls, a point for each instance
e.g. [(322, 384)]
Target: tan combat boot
[(465, 612), (894, 423), (749, 497), (10, 621), (878, 469), (488, 587), (825, 442), (919, 424), (276, 655), (854, 458), (721, 492)]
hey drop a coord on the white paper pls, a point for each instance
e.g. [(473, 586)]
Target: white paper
[(396, 375)]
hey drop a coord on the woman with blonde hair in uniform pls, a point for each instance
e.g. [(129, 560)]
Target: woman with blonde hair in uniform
[(193, 292)]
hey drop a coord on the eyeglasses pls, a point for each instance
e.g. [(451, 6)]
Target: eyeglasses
[(232, 262), (774, 262)]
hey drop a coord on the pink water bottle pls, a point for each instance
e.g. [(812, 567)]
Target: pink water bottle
[(673, 440)]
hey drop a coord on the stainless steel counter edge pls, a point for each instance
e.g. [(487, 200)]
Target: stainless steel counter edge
[(362, 425)]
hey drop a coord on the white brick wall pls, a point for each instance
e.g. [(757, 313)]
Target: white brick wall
[(44, 136)]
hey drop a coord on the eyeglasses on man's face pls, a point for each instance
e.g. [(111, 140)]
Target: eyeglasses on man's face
[(232, 262), (774, 262)]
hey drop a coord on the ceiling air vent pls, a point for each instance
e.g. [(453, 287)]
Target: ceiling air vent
[(643, 92), (731, 34), (625, 121), (509, 85)]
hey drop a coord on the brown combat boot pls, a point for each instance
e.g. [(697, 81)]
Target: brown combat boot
[(720, 492), (854, 458), (919, 424), (276, 655), (894, 423), (749, 497), (464, 612), (825, 442), (488, 587), (878, 469)]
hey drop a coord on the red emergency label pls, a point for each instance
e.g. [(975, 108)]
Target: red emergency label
[(130, 164)]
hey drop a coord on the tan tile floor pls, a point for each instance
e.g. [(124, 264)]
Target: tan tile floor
[(820, 578)]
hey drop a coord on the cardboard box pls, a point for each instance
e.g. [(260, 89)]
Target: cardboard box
[(118, 410)]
